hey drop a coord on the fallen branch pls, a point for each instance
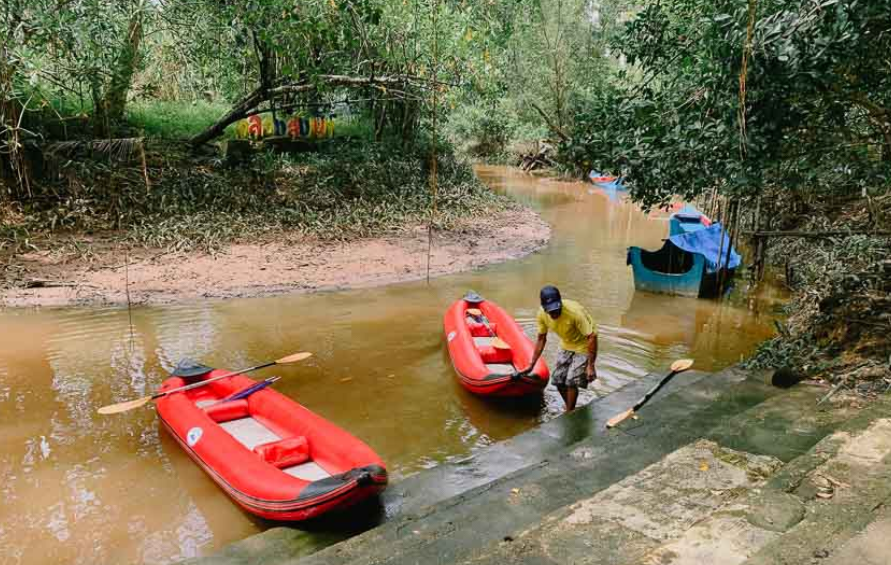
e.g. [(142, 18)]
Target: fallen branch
[(818, 234), (832, 392), (45, 283), (386, 84)]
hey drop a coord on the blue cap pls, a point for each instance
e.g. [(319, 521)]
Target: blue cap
[(550, 299)]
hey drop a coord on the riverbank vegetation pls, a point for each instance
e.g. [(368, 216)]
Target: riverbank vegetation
[(111, 113), (776, 114)]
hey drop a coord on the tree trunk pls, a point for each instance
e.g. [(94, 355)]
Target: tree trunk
[(114, 101)]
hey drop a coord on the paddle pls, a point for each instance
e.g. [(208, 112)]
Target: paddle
[(131, 404), (497, 342), (678, 366), (245, 392)]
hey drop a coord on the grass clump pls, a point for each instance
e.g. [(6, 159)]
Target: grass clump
[(173, 120)]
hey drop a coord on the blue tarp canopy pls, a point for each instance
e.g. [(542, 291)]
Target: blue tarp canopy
[(707, 242)]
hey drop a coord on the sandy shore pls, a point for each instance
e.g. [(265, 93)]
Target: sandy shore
[(50, 278)]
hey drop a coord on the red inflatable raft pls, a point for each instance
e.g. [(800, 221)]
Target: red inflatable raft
[(275, 458), (483, 368)]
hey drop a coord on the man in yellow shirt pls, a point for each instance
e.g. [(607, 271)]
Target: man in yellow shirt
[(578, 343)]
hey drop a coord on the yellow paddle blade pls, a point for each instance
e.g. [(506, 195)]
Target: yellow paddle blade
[(294, 358), (499, 343), (619, 418), (474, 311), (124, 406), (681, 365)]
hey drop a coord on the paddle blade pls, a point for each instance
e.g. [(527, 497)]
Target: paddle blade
[(618, 419), (474, 311), (681, 365), (499, 343), (125, 406), (293, 358)]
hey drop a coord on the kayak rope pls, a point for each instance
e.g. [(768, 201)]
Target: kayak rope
[(433, 164)]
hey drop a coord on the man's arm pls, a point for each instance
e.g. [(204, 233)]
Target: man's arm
[(539, 348), (590, 371)]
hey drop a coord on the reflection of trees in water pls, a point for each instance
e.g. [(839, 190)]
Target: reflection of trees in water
[(90, 476), (715, 333)]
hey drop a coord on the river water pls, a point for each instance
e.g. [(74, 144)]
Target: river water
[(82, 488)]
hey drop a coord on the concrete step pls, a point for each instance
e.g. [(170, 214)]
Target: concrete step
[(706, 503), (703, 503), (439, 515), (576, 458), (673, 508)]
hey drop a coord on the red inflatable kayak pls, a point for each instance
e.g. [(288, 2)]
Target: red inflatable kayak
[(482, 368), (272, 456)]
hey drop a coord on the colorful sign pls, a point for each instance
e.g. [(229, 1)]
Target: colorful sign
[(297, 127)]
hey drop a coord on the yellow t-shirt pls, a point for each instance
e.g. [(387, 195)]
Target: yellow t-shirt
[(573, 326)]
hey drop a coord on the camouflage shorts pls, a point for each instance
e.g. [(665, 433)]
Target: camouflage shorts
[(570, 369)]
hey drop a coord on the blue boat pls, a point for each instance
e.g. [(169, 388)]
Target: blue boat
[(687, 220), (611, 185), (690, 261)]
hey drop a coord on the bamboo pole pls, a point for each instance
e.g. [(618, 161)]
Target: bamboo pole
[(723, 216), (819, 234)]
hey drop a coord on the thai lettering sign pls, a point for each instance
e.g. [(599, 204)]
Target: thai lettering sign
[(297, 127)]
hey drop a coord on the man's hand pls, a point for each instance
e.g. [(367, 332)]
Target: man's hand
[(591, 372)]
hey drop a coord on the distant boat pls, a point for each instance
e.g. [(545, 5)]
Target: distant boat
[(690, 261), (686, 220), (606, 182)]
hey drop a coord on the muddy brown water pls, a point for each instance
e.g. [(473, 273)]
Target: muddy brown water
[(82, 488)]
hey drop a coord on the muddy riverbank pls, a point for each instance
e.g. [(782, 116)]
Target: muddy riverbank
[(285, 264)]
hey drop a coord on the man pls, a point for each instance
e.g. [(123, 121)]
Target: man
[(578, 348)]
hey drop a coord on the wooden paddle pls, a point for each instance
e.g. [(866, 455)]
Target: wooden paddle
[(131, 404), (678, 366), (497, 342)]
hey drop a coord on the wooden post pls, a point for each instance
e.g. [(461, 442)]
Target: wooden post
[(734, 228), (722, 216)]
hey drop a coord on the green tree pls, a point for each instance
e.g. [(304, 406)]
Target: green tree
[(737, 96)]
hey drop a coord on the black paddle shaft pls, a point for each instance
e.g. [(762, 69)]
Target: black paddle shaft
[(654, 390), (202, 383)]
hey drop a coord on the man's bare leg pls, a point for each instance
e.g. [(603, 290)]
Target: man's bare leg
[(572, 394), (562, 390)]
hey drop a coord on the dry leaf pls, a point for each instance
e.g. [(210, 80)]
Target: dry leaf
[(515, 491), (703, 466), (346, 379)]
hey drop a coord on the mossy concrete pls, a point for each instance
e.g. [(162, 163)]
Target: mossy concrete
[(716, 469), (553, 465)]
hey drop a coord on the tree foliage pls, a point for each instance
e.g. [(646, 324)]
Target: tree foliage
[(738, 96)]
